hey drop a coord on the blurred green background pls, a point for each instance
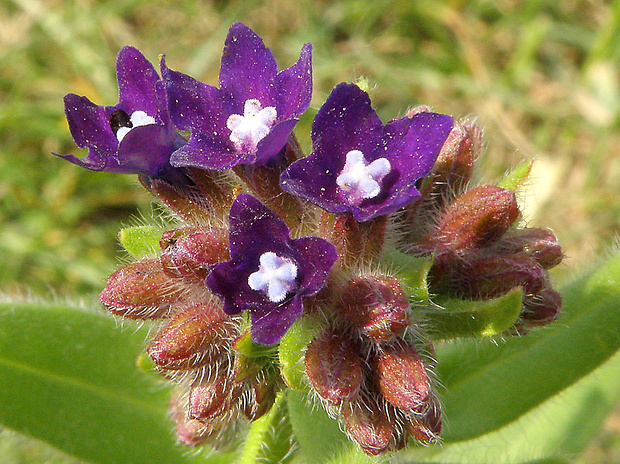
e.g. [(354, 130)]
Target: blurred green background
[(543, 78)]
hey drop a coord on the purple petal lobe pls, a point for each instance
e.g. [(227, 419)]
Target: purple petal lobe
[(136, 82), (90, 124), (248, 68), (294, 86), (270, 326)]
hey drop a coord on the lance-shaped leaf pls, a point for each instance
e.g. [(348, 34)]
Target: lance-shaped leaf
[(69, 377)]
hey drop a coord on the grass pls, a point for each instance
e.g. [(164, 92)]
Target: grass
[(542, 77)]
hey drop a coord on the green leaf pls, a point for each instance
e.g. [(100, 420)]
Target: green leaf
[(140, 241), (69, 377), (462, 318), (292, 351), (534, 397), (515, 178)]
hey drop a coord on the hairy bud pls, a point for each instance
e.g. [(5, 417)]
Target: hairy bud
[(191, 338), (376, 306), (401, 376), (334, 367), (478, 217), (539, 244), (191, 252), (368, 425), (141, 290)]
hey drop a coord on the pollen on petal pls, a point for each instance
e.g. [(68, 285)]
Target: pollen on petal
[(359, 180), (251, 127), (275, 277)]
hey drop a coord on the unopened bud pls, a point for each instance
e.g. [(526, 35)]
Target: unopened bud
[(401, 376), (264, 388), (539, 244), (368, 425), (334, 367), (192, 338), (191, 252), (455, 164), (541, 308), (478, 217), (376, 306), (210, 397), (488, 276), (424, 426), (141, 290)]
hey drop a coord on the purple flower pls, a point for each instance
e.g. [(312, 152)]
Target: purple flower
[(360, 166), (269, 273), (135, 136), (249, 119)]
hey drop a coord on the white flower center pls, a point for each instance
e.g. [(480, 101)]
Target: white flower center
[(251, 127), (138, 118), (275, 277), (360, 181)]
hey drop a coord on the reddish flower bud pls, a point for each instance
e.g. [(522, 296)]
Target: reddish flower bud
[(210, 397), (488, 276), (334, 367), (264, 388), (425, 425), (401, 376), (191, 338), (539, 244), (478, 217), (191, 252), (455, 164), (376, 306), (368, 425), (141, 290), (541, 308)]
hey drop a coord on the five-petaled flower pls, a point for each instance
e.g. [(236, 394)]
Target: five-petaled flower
[(248, 120), (360, 166), (269, 273), (137, 135)]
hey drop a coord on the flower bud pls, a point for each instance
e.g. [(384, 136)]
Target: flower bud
[(539, 244), (264, 388), (478, 217), (190, 252), (482, 276), (210, 397), (541, 308), (334, 367), (368, 425), (455, 164), (401, 376), (191, 338), (376, 306), (141, 290)]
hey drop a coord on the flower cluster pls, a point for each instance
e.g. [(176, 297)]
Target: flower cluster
[(327, 242)]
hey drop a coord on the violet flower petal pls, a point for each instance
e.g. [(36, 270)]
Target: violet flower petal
[(248, 67)]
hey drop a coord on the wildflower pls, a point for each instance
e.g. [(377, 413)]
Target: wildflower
[(247, 120), (268, 273), (360, 166), (136, 136)]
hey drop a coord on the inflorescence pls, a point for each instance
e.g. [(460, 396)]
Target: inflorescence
[(362, 246)]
